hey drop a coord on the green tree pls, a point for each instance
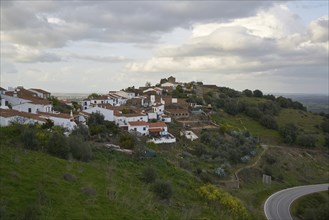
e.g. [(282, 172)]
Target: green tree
[(80, 150), (93, 95), (29, 138), (289, 133), (268, 121), (258, 93), (57, 145), (247, 92), (306, 140)]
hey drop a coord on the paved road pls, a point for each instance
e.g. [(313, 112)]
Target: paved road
[(277, 206)]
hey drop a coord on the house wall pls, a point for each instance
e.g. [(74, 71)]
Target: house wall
[(108, 113), (6, 121), (137, 118), (35, 108), (152, 115), (141, 129), (14, 100), (165, 119), (63, 122), (158, 109)]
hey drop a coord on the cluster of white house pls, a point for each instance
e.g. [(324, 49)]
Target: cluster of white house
[(29, 106), (125, 109)]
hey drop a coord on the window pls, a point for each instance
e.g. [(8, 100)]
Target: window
[(144, 128), (85, 103), (95, 102), (29, 110)]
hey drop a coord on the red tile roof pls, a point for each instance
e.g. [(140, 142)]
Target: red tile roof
[(155, 130), (7, 113), (57, 115), (29, 95), (157, 125), (138, 123), (41, 91)]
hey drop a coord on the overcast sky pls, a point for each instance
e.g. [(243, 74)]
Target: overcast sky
[(97, 46)]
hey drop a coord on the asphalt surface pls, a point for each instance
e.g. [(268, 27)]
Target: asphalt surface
[(277, 206)]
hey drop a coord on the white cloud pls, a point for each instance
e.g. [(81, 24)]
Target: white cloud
[(259, 43)]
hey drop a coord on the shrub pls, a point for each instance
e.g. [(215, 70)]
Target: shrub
[(268, 121), (163, 189), (258, 93), (81, 130), (29, 138), (79, 149), (57, 145), (306, 140), (289, 133), (127, 141), (253, 112), (149, 175)]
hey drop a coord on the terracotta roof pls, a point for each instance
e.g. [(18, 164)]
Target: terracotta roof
[(7, 113), (103, 97), (57, 115), (41, 91), (106, 106), (29, 95), (138, 123), (176, 111), (155, 130), (157, 125)]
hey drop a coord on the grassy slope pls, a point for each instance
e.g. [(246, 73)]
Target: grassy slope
[(292, 167), (307, 121), (32, 182)]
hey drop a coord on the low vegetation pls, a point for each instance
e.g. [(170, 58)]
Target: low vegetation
[(313, 207)]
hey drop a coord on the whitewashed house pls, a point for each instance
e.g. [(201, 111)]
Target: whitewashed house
[(41, 93), (105, 109), (8, 116), (63, 120), (24, 100), (138, 126)]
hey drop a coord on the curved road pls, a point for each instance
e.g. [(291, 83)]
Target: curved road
[(277, 206)]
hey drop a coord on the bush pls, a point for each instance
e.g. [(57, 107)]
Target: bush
[(82, 131), (325, 126), (127, 141), (29, 138), (79, 149), (289, 133), (258, 93), (306, 140), (149, 175), (163, 189), (268, 122), (57, 145), (253, 112)]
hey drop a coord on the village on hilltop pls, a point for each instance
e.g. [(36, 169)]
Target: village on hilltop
[(145, 111)]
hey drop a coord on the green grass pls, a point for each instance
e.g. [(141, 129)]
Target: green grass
[(315, 202), (242, 122), (32, 186), (291, 167), (308, 122)]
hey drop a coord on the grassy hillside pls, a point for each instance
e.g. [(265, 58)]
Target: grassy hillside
[(288, 167), (109, 187)]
